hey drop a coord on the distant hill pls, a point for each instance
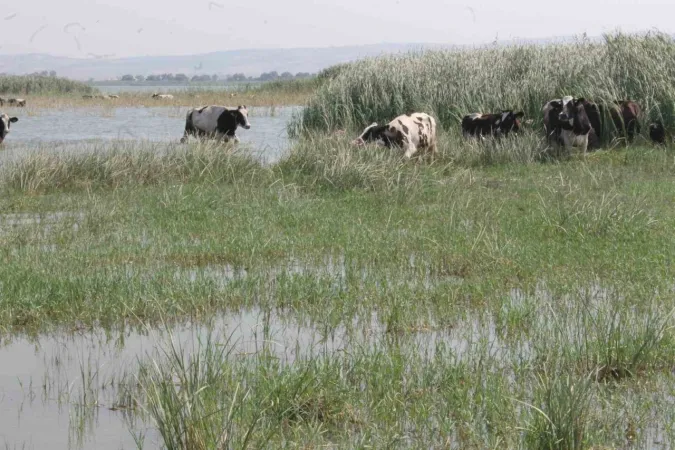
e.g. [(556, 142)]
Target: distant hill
[(250, 62)]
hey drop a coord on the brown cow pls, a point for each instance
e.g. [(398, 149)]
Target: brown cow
[(625, 115)]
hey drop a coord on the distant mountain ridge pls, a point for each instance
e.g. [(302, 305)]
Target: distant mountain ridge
[(251, 62)]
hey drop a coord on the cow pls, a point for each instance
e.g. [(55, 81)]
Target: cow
[(575, 124), (113, 96), (412, 132), (657, 133), (503, 123), (162, 96), (87, 96), (2, 101), (625, 114), (219, 122), (554, 127), (5, 122), (16, 102)]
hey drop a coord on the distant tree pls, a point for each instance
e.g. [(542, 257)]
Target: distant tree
[(269, 76), (140, 78), (286, 76), (181, 77), (303, 75), (236, 77), (152, 78), (128, 78), (168, 77), (52, 73), (214, 77)]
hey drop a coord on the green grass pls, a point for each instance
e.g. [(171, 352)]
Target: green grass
[(41, 85), (492, 298), (450, 84)]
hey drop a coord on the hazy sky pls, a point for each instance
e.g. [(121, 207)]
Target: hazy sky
[(154, 27)]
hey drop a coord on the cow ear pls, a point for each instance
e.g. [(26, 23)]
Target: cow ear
[(14, 119)]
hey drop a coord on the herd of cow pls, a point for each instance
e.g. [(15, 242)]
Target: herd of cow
[(568, 121)]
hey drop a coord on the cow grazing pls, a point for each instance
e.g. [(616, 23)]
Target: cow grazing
[(491, 124), (113, 96), (5, 122), (2, 101), (162, 96), (554, 127), (16, 102), (657, 132), (87, 96), (411, 132), (575, 124), (625, 115), (219, 122)]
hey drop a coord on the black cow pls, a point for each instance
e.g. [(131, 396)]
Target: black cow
[(218, 122), (491, 124), (657, 132), (5, 122)]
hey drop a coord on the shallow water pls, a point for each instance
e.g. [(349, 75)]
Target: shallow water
[(71, 127)]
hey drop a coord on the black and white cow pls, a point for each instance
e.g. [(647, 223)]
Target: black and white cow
[(162, 96), (575, 124), (214, 121), (554, 127), (503, 123), (5, 122), (412, 132)]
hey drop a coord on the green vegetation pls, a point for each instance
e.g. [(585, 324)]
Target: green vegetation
[(450, 84), (41, 85), (500, 296), (516, 305)]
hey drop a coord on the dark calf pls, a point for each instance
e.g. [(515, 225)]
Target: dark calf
[(492, 124), (657, 132)]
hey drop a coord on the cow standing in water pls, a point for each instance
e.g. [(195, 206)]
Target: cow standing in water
[(5, 122), (411, 132), (503, 123), (219, 122)]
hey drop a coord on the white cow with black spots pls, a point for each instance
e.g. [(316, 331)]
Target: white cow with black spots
[(412, 132)]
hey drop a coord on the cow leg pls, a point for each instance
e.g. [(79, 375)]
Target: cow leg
[(410, 150)]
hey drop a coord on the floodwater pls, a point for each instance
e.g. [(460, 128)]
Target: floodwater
[(267, 135), (44, 384)]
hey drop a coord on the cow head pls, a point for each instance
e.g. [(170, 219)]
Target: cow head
[(509, 121), (372, 133), (574, 114), (5, 122), (242, 117)]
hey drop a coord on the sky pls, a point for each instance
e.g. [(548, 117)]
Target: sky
[(124, 28)]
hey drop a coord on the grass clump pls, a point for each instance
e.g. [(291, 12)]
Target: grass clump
[(450, 84), (42, 85)]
